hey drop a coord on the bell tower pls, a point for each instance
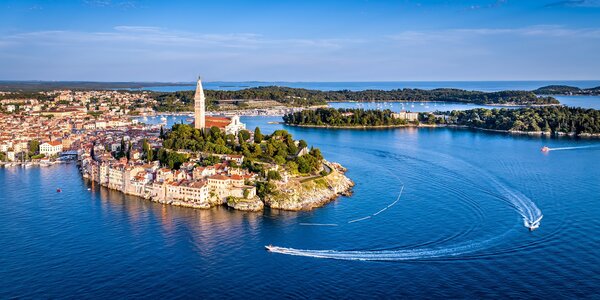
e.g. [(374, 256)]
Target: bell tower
[(199, 114)]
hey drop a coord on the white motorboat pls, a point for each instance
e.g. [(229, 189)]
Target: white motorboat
[(533, 225)]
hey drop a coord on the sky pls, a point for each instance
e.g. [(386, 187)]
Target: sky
[(228, 40)]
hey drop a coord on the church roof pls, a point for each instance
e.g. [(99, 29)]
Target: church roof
[(217, 121)]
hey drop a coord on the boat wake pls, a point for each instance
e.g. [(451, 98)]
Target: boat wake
[(381, 210), (390, 255), (526, 208), (572, 148)]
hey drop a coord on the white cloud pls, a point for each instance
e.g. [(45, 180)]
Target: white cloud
[(575, 3), (154, 53), (143, 36), (454, 34)]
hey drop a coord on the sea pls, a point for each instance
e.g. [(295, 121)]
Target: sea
[(486, 86), (435, 213)]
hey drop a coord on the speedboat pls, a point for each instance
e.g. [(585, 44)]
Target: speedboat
[(545, 149), (269, 247), (532, 225)]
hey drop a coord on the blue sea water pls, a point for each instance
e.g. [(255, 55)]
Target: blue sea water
[(456, 191), (417, 106), (487, 86), (580, 101)]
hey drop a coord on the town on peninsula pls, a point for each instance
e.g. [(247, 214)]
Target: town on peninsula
[(215, 160)]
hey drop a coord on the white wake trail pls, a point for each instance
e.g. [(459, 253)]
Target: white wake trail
[(572, 148), (390, 255), (521, 203), (380, 211)]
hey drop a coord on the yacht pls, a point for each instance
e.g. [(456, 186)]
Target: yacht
[(272, 248), (532, 225)]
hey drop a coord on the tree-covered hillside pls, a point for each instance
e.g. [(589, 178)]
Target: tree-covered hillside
[(555, 119)]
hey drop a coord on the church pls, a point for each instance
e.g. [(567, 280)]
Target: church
[(228, 125)]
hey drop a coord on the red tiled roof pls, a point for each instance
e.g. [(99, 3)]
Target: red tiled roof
[(197, 184), (236, 177), (217, 122), (219, 177), (54, 143)]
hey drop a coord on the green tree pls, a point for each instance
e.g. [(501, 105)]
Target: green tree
[(129, 148), (244, 135), (121, 151), (34, 147), (292, 167), (258, 136), (302, 144), (92, 152), (273, 175), (264, 188)]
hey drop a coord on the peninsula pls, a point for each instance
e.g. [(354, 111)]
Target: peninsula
[(547, 120), (567, 90), (217, 162)]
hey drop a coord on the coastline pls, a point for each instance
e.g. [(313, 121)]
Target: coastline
[(362, 127), (515, 132), (282, 110), (309, 194), (314, 193)]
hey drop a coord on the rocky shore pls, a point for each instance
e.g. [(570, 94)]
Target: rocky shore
[(254, 204), (309, 194)]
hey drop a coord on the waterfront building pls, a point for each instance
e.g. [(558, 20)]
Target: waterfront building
[(51, 148), (404, 115), (222, 186)]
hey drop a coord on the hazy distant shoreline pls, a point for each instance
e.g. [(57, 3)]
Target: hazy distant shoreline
[(31, 85)]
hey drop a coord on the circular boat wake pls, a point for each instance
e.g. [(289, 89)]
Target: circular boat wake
[(391, 255), (526, 208)]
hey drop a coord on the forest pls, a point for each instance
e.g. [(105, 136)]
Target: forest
[(566, 90), (550, 119), (306, 97), (277, 148), (342, 117), (553, 119)]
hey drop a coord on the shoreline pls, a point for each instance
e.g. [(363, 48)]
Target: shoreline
[(337, 185), (280, 111), (514, 132), (315, 193)]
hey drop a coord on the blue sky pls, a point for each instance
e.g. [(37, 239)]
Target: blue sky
[(112, 40)]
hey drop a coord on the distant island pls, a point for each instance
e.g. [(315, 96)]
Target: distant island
[(567, 90), (554, 121), (350, 117), (247, 98), (548, 120), (268, 97)]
